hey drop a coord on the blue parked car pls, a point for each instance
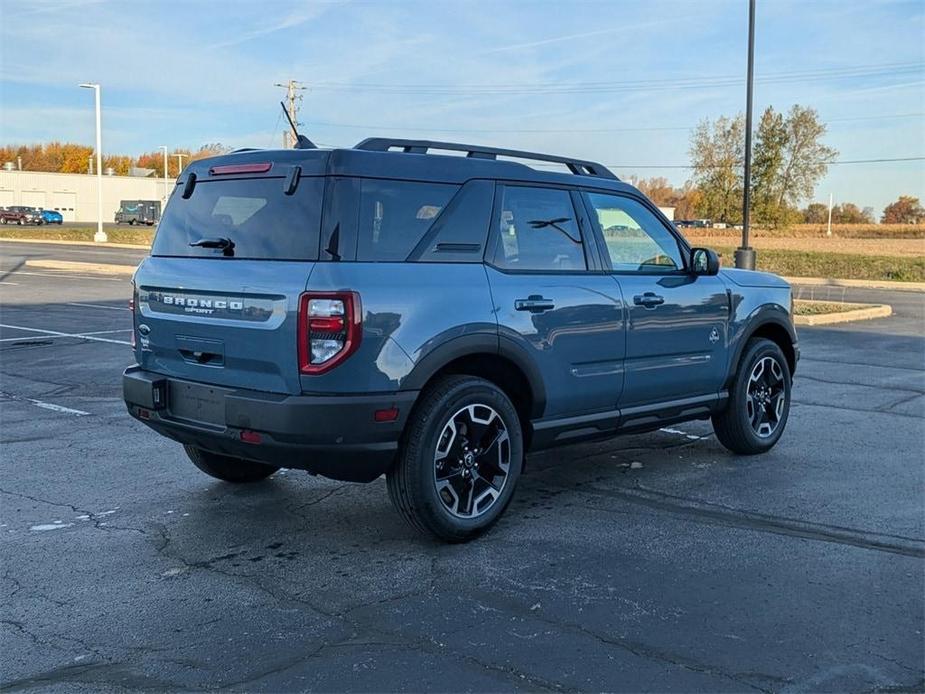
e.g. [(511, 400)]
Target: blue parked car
[(387, 309), (51, 217)]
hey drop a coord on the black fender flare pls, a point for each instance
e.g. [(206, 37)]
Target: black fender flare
[(479, 343), (766, 314)]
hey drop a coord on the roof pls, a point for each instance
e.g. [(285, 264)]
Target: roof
[(376, 158)]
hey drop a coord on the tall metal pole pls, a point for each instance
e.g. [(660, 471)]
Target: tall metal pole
[(166, 185), (745, 255), (828, 230), (179, 162), (100, 235)]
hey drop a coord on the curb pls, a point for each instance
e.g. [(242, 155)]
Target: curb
[(866, 312), (91, 244), (867, 284), (73, 266)]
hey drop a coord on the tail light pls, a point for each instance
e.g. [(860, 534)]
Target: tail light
[(329, 329)]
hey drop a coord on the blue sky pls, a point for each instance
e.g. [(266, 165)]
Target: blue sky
[(619, 82)]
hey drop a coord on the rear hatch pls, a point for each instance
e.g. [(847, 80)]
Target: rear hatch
[(217, 300)]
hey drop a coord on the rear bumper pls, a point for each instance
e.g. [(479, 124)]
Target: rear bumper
[(335, 436)]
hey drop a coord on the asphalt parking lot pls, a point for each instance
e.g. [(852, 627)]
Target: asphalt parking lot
[(124, 568)]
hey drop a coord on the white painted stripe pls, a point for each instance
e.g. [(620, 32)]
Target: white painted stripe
[(60, 334), (669, 430), (57, 408), (73, 277), (12, 284), (106, 332), (111, 308), (45, 405)]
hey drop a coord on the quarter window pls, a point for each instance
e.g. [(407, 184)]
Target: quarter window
[(537, 230), (636, 240), (395, 215)]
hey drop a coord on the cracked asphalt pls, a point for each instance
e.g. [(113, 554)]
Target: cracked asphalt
[(126, 569)]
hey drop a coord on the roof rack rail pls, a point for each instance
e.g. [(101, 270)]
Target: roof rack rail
[(580, 167)]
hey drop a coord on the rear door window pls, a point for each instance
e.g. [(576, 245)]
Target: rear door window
[(256, 214), (538, 230)]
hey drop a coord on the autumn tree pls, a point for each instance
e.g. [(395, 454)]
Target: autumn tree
[(789, 160), (816, 213), (717, 152), (849, 213), (906, 210)]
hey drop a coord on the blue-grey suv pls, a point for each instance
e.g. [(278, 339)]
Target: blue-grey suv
[(432, 311)]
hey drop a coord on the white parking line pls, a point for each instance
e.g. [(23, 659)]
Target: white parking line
[(60, 334), (111, 308), (669, 430), (12, 284), (73, 277), (45, 405)]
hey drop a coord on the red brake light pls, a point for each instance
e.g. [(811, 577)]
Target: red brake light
[(226, 169), (330, 327)]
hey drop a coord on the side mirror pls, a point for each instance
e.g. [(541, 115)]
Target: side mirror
[(704, 261)]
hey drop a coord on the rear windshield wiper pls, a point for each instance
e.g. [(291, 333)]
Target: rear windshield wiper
[(226, 245)]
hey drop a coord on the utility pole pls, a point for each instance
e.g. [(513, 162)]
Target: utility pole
[(292, 99), (745, 254), (828, 231)]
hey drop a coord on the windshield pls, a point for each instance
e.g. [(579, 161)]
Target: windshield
[(254, 214)]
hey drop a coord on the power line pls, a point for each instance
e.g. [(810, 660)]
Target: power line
[(574, 130)]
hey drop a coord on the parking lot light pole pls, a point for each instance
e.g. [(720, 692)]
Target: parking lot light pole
[(166, 188), (745, 254), (100, 235)]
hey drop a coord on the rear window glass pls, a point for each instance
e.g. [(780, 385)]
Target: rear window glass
[(395, 215), (262, 221)]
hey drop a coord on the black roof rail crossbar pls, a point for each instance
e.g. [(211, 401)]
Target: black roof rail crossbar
[(576, 166)]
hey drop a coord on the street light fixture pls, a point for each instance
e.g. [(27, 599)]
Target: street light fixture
[(100, 235)]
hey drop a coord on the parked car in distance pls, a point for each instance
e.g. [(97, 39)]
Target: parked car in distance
[(132, 212), (52, 217), (389, 310), (19, 214)]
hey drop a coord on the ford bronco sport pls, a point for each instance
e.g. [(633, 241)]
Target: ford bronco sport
[(388, 309)]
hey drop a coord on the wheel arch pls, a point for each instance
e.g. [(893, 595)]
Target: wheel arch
[(501, 361), (771, 322)]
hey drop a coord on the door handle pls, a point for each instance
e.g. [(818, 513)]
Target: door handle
[(649, 300), (534, 304)]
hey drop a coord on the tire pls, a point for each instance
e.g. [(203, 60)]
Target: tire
[(228, 468), (3, 220), (759, 400), (131, 222), (451, 497), (22, 222)]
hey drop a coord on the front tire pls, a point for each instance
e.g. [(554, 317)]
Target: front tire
[(460, 459), (228, 468), (759, 400)]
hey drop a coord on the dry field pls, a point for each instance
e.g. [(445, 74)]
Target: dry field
[(908, 247)]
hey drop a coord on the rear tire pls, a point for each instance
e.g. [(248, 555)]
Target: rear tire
[(759, 400), (459, 460), (228, 468)]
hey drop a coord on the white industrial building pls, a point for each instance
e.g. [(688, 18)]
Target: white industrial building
[(74, 195)]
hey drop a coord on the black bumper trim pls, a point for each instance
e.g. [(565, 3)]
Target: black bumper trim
[(335, 436)]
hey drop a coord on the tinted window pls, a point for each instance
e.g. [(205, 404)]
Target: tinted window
[(395, 215), (636, 240), (261, 220), (458, 234), (538, 231)]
